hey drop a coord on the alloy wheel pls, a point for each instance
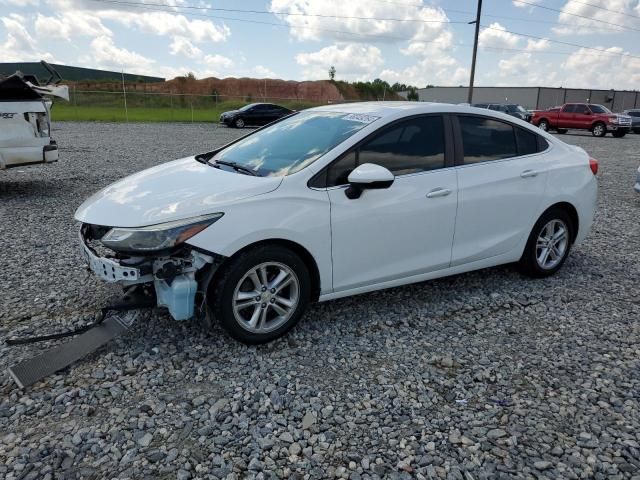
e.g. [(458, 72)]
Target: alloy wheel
[(266, 297), (598, 130), (552, 244)]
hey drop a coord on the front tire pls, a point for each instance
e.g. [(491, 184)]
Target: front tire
[(260, 294), (543, 125), (599, 130), (619, 134), (239, 123), (548, 245)]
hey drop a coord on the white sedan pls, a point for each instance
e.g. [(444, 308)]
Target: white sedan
[(336, 201)]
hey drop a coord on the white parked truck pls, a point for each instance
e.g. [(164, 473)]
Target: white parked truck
[(25, 122)]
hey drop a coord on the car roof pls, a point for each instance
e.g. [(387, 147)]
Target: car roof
[(393, 108)]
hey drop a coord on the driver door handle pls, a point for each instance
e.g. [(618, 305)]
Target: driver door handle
[(529, 173), (438, 192)]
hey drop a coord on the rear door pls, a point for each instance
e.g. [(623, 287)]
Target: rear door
[(406, 229), (582, 116), (501, 182), (566, 116)]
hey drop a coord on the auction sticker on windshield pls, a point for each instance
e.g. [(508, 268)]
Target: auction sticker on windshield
[(359, 117)]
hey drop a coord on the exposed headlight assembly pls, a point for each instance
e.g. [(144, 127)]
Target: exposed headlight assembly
[(157, 237)]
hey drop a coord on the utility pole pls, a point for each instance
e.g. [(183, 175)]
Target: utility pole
[(475, 51)]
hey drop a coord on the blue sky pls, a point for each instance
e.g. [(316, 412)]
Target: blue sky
[(416, 42)]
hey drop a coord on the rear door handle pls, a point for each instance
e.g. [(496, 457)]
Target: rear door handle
[(529, 173), (438, 192)]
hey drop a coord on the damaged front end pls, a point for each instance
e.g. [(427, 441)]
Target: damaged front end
[(157, 257)]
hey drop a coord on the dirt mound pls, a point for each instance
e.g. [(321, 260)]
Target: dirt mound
[(234, 88)]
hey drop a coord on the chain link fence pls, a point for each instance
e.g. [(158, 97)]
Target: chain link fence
[(124, 106)]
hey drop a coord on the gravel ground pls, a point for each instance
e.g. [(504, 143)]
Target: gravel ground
[(482, 375)]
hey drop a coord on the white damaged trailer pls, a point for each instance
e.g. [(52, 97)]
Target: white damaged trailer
[(25, 121)]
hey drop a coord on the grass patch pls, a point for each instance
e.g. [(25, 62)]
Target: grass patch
[(63, 111)]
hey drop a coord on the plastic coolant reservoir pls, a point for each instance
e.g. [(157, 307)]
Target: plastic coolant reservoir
[(179, 297)]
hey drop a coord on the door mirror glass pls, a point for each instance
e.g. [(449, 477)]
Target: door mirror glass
[(368, 176)]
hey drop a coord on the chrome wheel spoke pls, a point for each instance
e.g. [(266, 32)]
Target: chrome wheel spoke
[(285, 301), (253, 276), (279, 279), (240, 296), (262, 274), (279, 310), (255, 316)]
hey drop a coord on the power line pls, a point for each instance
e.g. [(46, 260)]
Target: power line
[(603, 8), (535, 5), (170, 9), (562, 42), (290, 14)]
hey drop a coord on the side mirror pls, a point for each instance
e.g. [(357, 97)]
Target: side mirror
[(368, 176)]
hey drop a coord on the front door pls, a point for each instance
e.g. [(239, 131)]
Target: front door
[(406, 229)]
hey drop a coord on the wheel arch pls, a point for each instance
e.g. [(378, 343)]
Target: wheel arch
[(596, 123), (301, 251), (571, 210)]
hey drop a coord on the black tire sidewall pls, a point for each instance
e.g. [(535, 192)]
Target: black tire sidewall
[(544, 128), (220, 298), (529, 263), (239, 123)]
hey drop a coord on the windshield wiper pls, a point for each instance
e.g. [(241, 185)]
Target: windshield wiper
[(236, 167)]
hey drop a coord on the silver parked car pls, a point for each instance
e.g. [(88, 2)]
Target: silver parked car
[(635, 119), (637, 185)]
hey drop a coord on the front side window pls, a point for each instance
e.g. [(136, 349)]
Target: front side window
[(412, 146), (599, 109), (582, 109), (293, 143), (485, 139)]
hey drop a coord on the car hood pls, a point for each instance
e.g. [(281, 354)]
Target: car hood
[(230, 113), (172, 191)]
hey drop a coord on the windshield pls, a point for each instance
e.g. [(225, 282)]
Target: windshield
[(599, 109), (291, 144)]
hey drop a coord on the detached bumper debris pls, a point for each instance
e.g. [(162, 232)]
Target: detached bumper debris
[(88, 340)]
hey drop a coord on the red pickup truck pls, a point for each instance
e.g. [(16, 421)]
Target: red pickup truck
[(583, 116)]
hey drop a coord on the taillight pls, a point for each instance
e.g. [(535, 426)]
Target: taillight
[(593, 164)]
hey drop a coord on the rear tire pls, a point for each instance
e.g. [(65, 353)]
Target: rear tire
[(599, 130), (562, 131), (260, 294), (543, 125), (548, 245)]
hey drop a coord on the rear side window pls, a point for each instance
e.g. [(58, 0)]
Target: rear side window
[(484, 139), (583, 109), (569, 108), (527, 142)]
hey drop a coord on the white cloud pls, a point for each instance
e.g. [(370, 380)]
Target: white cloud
[(107, 55), (183, 47), (589, 69), (497, 37), (19, 45), (20, 3), (164, 23), (214, 65), (264, 72), (69, 24), (603, 18), (326, 26), (525, 5), (352, 62)]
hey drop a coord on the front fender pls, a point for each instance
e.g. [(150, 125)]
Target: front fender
[(303, 219)]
